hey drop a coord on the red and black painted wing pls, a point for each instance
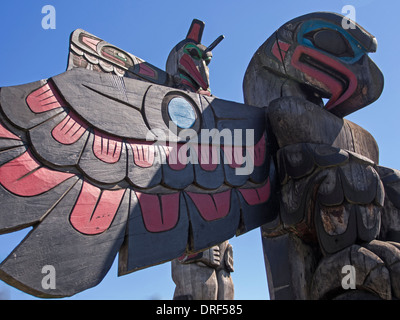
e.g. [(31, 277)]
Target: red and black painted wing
[(91, 162), (90, 52)]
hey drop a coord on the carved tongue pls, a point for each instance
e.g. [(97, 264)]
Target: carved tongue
[(94, 210), (212, 206), (159, 213), (257, 195)]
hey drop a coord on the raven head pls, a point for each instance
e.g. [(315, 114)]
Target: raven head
[(188, 60)]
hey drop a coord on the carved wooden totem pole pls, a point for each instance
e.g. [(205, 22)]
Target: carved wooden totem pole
[(204, 275), (118, 156), (333, 215)]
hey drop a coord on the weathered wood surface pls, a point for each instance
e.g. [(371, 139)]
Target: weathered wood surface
[(390, 229), (295, 120), (79, 156), (80, 261), (332, 191), (205, 276)]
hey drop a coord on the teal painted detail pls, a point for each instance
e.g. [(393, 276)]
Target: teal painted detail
[(313, 25), (195, 52)]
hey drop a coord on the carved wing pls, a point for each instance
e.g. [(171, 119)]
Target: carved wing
[(90, 52), (99, 164)]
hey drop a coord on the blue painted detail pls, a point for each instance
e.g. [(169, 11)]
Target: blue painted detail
[(312, 25), (181, 113)]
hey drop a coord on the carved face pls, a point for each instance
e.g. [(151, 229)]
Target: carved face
[(193, 66), (325, 60), (188, 61)]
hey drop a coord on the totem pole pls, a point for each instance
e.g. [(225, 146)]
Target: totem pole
[(204, 275), (109, 157), (338, 207)]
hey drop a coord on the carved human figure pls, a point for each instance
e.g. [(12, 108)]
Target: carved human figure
[(206, 275)]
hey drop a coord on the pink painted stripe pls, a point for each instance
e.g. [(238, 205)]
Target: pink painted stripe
[(194, 33), (91, 43), (116, 60), (4, 133), (145, 70), (234, 155), (284, 46), (339, 93), (275, 51), (187, 62)]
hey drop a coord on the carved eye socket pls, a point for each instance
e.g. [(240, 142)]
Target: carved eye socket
[(194, 53), (330, 41)]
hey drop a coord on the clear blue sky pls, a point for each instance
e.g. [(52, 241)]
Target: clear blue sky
[(149, 29)]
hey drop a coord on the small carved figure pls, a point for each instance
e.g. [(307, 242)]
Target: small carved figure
[(205, 275)]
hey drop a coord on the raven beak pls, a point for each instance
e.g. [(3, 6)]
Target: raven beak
[(346, 89)]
